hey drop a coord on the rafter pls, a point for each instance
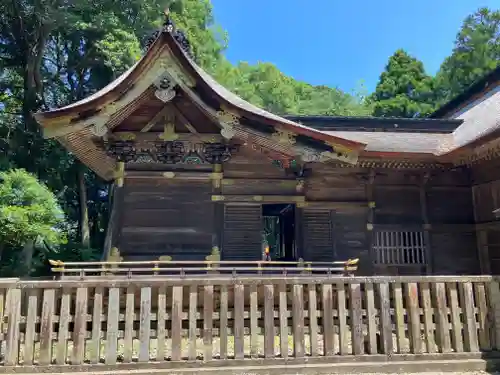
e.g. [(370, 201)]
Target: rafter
[(163, 112), (184, 120)]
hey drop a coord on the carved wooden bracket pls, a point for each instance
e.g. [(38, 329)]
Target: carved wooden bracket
[(169, 152), (284, 137), (227, 121)]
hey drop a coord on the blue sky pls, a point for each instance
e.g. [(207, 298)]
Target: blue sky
[(340, 43)]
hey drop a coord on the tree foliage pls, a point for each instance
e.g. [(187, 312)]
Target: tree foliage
[(404, 89), (476, 53), (28, 210)]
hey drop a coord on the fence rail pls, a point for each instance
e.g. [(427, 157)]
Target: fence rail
[(118, 320), (183, 268)]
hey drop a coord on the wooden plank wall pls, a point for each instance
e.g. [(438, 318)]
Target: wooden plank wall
[(181, 321), (242, 238), (435, 203), (451, 215), (486, 199), (167, 217), (344, 189)]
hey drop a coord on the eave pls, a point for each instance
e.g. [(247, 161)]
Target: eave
[(477, 90), (101, 109), (72, 125)]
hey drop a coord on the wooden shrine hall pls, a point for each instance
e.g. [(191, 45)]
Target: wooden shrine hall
[(199, 171)]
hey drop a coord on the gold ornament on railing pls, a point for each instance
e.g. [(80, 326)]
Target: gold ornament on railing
[(114, 255), (213, 258)]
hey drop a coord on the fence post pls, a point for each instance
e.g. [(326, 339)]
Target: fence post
[(385, 318), (494, 311), (13, 308)]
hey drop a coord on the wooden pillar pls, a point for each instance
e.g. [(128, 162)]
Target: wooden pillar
[(299, 219), (299, 227), (218, 209), (483, 251), (427, 226), (113, 233), (370, 220)]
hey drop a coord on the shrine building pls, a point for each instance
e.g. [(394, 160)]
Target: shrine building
[(196, 169)]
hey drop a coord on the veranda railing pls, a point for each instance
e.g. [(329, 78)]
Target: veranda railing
[(184, 268), (171, 319)]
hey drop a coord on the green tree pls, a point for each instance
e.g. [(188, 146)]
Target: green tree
[(29, 213), (265, 86), (476, 53), (404, 89)]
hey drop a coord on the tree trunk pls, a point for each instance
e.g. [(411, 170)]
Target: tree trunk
[(84, 211), (27, 253)]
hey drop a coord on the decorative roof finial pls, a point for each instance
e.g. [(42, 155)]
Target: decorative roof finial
[(169, 27)]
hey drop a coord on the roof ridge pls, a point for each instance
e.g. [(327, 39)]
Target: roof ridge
[(169, 27)]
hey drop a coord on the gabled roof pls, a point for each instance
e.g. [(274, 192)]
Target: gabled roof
[(477, 90), (77, 125), (165, 44)]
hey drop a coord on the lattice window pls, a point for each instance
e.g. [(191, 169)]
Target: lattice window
[(397, 248)]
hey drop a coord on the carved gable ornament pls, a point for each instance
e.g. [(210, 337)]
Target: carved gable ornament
[(178, 74), (99, 128), (165, 88), (228, 121), (338, 152)]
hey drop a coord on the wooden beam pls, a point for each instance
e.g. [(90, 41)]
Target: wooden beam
[(338, 206), (258, 198), (156, 118), (184, 121), (117, 223), (218, 213), (173, 175), (370, 195), (300, 200), (281, 181), (425, 218), (450, 228), (112, 218), (183, 137), (492, 225), (418, 187)]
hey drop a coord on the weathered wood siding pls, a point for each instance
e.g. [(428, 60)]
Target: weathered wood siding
[(486, 199), (451, 214), (345, 213), (352, 239), (317, 234), (438, 207), (242, 237), (167, 217)]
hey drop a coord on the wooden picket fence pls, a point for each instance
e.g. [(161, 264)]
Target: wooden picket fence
[(172, 319)]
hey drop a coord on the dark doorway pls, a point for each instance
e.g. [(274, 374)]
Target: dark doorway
[(278, 222)]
